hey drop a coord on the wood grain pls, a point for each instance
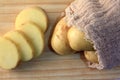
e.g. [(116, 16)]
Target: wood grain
[(49, 66)]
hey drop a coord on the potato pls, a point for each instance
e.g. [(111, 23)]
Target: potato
[(35, 37), (91, 56), (59, 41), (9, 55), (77, 41), (23, 45), (33, 14)]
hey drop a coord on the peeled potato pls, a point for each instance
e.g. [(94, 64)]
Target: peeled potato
[(33, 14), (91, 56), (23, 45), (77, 41), (35, 37), (59, 41), (9, 55)]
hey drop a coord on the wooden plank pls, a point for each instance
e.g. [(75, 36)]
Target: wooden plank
[(10, 9), (49, 66), (14, 2)]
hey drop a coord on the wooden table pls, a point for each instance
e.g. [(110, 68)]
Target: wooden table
[(49, 66)]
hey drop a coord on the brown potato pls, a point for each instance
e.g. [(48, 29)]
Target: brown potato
[(91, 56), (77, 41), (59, 41)]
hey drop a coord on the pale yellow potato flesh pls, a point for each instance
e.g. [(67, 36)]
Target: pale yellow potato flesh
[(35, 37), (23, 45), (9, 55), (77, 41), (32, 14), (91, 56), (59, 41)]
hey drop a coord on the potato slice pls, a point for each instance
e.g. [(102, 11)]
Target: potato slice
[(59, 41), (33, 14), (9, 55), (77, 41), (91, 56), (23, 45), (35, 37)]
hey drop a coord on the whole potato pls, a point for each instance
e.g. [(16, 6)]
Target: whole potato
[(77, 41), (59, 41), (91, 56)]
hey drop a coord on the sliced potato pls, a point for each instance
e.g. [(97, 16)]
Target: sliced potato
[(59, 41), (77, 41), (33, 14), (23, 45), (35, 37), (9, 55), (91, 56)]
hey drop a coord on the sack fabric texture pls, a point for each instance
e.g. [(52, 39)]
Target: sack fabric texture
[(100, 21)]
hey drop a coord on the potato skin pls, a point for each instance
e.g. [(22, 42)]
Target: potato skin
[(59, 41), (77, 41), (91, 56)]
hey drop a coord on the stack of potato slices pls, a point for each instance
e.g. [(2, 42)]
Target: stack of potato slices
[(26, 41)]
